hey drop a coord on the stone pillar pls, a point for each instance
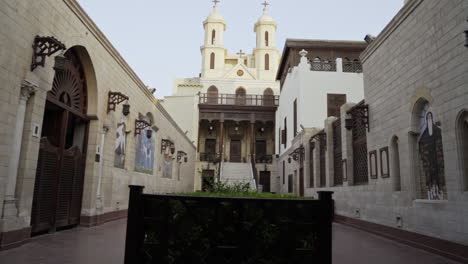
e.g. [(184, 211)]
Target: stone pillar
[(252, 140), (221, 140), (28, 89)]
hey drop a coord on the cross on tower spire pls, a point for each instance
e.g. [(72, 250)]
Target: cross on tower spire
[(240, 53), (216, 2), (265, 4)]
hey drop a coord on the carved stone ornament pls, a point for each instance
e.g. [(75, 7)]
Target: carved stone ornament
[(28, 89)]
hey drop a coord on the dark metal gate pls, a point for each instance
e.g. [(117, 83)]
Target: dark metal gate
[(59, 180), (337, 153)]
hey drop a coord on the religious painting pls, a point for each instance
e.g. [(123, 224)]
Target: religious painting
[(167, 166), (373, 164), (144, 153), (120, 146), (431, 157), (384, 163)]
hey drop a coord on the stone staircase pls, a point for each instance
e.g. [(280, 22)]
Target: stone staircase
[(232, 173)]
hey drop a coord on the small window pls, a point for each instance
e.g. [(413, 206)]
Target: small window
[(267, 39), (212, 61), (212, 96), (213, 37), (267, 62)]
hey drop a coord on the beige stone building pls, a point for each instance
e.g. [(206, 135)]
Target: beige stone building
[(78, 125), (397, 161)]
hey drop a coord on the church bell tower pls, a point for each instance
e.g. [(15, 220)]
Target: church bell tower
[(213, 51), (266, 54)]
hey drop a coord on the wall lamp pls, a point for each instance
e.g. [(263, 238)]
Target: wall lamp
[(166, 143), (116, 98), (180, 155), (141, 125), (45, 47)]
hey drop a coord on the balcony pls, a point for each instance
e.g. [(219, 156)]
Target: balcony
[(264, 159), (340, 65), (239, 100)]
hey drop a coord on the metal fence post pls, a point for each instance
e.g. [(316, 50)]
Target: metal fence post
[(325, 197), (135, 227)]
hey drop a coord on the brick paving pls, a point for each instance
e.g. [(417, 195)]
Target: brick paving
[(105, 244)]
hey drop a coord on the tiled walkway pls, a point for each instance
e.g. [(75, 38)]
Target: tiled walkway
[(105, 245)]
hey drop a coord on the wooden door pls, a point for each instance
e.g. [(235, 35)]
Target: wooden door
[(236, 150), (265, 180), (59, 179), (210, 146), (260, 148)]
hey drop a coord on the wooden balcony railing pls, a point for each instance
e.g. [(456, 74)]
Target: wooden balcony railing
[(323, 65), (232, 99)]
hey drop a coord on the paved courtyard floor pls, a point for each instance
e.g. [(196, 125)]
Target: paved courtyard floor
[(105, 245)]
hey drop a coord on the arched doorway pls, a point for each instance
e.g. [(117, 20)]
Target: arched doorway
[(212, 95), (268, 97), (60, 170)]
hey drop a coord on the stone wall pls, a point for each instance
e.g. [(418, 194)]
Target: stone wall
[(419, 57), (105, 71)]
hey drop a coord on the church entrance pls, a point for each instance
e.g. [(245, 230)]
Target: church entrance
[(236, 150), (60, 170)]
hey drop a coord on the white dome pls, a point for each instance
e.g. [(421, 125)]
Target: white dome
[(215, 15), (265, 17)]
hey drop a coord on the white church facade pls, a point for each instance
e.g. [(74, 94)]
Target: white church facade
[(229, 110)]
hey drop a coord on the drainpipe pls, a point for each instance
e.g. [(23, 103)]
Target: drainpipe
[(105, 129)]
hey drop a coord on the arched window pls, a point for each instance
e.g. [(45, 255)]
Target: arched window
[(212, 95), (240, 96), (212, 61), (268, 97), (429, 152), (213, 37), (267, 62), (267, 38), (462, 127), (395, 161)]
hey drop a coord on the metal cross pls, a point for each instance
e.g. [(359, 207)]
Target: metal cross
[(216, 2), (240, 53), (265, 4)]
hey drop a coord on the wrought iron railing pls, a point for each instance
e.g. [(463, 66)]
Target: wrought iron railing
[(187, 229), (264, 159), (352, 66), (232, 99), (209, 157)]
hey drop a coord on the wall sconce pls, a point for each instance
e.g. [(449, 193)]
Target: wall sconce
[(349, 123), (126, 109), (166, 143), (236, 128), (116, 98), (42, 47), (140, 125), (181, 154), (60, 63), (149, 133)]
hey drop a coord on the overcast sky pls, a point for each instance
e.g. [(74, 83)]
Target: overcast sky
[(161, 39)]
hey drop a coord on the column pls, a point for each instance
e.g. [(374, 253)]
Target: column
[(252, 140), (221, 140), (28, 89)]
